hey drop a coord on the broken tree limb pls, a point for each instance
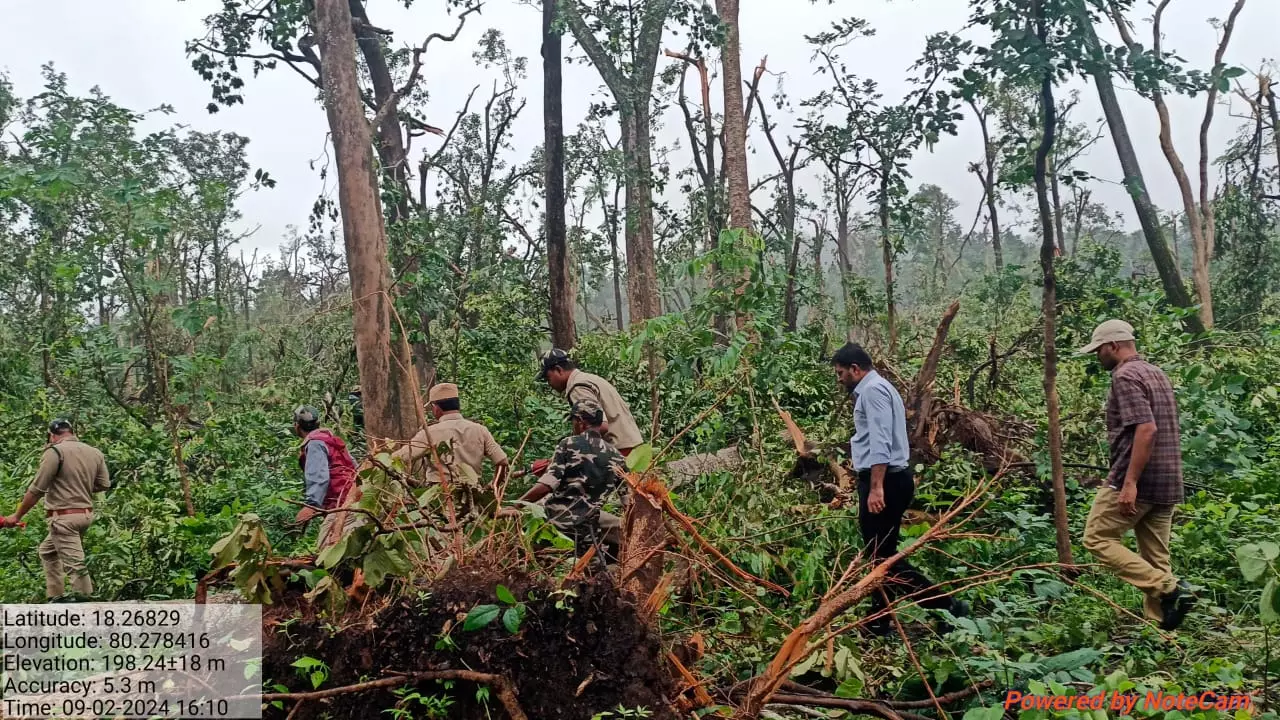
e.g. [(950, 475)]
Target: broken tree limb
[(805, 450), (797, 645), (922, 389)]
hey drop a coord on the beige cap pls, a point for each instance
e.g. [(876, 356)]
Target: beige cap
[(442, 391), (1108, 332)]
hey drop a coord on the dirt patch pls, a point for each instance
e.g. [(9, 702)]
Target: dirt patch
[(590, 655)]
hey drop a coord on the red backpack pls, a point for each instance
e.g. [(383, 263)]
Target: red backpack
[(342, 467)]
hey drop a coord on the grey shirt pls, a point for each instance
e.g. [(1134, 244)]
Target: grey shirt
[(316, 472)]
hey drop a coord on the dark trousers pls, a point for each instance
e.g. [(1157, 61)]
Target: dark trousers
[(880, 535)]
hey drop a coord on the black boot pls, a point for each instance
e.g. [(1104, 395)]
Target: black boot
[(1175, 605)]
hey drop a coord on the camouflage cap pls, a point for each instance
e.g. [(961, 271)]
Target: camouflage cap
[(588, 411), (305, 415), (553, 358)]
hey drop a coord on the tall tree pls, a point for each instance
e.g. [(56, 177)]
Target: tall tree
[(563, 334), (1200, 217), (1100, 68), (382, 355), (987, 171), (1033, 46), (888, 135), (627, 65), (1049, 300), (735, 126)]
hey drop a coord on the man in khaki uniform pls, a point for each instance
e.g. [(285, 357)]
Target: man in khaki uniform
[(562, 374), (69, 475), (467, 444)]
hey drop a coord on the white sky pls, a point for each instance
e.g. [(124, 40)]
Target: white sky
[(134, 51)]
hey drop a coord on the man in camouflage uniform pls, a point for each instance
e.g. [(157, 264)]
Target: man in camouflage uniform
[(466, 445), (584, 470)]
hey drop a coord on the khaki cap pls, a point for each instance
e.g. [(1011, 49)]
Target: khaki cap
[(443, 391), (1108, 332)]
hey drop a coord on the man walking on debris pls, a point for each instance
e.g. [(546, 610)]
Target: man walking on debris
[(1145, 482), (583, 471), (880, 456), (329, 472), (69, 475), (562, 374), (467, 444)]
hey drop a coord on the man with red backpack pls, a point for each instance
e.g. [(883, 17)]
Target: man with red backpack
[(330, 474)]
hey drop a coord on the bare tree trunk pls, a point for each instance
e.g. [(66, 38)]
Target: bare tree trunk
[(1081, 200), (642, 275), (844, 265), (886, 248), (1199, 219), (632, 91), (393, 156), (1207, 218), (1148, 216), (989, 185), (563, 334), (383, 357), (735, 127), (1049, 306), (1267, 90), (611, 221), (1057, 207)]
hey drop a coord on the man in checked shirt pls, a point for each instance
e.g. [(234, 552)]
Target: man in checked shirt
[(1145, 482)]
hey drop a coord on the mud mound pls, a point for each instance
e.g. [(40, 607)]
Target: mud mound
[(589, 655)]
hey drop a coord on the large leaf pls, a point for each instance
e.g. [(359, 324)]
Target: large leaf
[(1255, 558), (640, 458), (382, 561), (480, 616), (512, 618), (334, 554), (1072, 660), (1270, 610)]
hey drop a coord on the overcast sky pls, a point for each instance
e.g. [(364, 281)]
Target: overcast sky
[(134, 51)]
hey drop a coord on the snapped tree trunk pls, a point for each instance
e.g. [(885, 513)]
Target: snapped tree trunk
[(1267, 89), (382, 355), (1049, 306), (1174, 288), (563, 334)]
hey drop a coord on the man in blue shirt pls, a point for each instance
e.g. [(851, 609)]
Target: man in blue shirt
[(881, 458)]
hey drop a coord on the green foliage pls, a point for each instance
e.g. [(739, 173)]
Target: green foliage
[(481, 616), (1258, 565)]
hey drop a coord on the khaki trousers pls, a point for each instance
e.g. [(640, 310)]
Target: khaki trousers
[(62, 554), (1148, 569)]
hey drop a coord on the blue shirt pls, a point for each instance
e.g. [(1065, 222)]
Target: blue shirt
[(880, 425)]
